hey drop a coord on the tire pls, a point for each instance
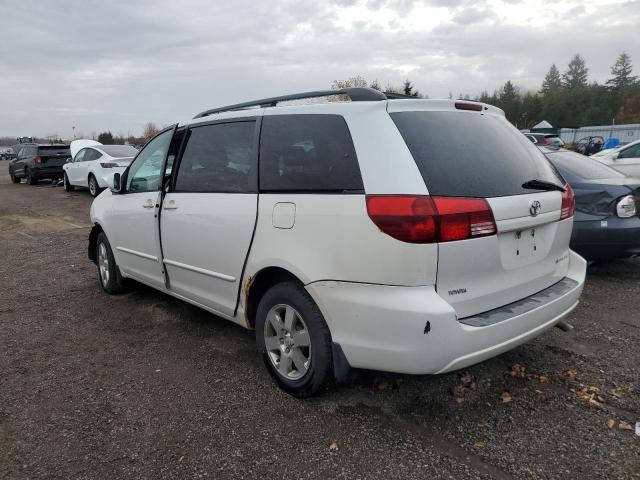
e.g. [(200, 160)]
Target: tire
[(94, 188), (108, 272), (67, 186), (30, 179), (289, 303), (14, 179)]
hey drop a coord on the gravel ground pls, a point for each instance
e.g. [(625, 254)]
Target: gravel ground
[(144, 386)]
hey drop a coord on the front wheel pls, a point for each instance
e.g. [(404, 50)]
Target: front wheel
[(14, 179), (94, 189), (108, 272), (293, 339), (67, 186)]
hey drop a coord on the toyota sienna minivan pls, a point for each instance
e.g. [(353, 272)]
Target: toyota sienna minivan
[(403, 235)]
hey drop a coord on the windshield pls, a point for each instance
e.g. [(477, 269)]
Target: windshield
[(117, 151), (576, 167), (461, 154)]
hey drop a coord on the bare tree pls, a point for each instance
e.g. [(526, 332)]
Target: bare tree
[(150, 130)]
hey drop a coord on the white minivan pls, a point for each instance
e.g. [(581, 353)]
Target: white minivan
[(403, 235)]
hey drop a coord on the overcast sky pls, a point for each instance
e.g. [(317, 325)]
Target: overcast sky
[(116, 65)]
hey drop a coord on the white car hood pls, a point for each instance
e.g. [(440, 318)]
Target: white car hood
[(78, 145)]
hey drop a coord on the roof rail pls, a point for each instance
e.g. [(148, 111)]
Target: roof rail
[(356, 95), (400, 96)]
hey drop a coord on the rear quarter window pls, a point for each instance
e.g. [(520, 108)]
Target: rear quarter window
[(468, 154), (308, 153)]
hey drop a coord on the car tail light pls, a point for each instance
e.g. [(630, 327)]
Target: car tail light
[(626, 207), (568, 204), (108, 165), (476, 107), (425, 219), (37, 159)]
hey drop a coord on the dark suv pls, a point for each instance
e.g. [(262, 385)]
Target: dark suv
[(34, 162)]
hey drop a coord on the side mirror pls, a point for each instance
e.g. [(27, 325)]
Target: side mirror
[(116, 183), (69, 160), (615, 156)]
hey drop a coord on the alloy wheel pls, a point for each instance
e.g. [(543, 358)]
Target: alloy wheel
[(93, 187), (287, 341), (103, 264)]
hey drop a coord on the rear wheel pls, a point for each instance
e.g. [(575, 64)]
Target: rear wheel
[(293, 339), (67, 186), (94, 189), (108, 272), (14, 179), (31, 180)]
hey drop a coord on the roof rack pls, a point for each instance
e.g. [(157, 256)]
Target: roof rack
[(356, 95)]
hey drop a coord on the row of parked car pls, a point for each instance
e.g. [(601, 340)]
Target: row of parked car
[(85, 163), (362, 234)]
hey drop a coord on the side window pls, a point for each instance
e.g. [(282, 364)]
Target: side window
[(308, 153), (145, 171), (91, 154), (218, 158), (80, 155), (632, 152)]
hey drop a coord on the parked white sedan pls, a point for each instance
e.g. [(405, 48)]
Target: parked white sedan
[(93, 164), (625, 159)]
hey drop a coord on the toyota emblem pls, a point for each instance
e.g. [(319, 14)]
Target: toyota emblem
[(535, 207)]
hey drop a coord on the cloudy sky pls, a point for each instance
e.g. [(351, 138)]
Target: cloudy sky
[(116, 65)]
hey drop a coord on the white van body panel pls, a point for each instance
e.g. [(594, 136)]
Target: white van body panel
[(323, 245)]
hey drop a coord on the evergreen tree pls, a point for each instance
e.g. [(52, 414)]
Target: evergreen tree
[(552, 81), (576, 74), (106, 138), (621, 73)]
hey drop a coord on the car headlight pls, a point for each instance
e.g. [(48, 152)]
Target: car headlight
[(626, 207)]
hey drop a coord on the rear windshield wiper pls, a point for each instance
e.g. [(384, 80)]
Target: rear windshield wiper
[(542, 185)]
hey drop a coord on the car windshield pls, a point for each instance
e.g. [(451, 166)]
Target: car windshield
[(119, 151), (574, 166)]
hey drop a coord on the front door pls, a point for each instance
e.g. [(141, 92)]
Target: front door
[(133, 220), (73, 168), (628, 161), (209, 213)]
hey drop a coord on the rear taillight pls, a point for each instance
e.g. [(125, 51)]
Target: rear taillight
[(37, 159), (568, 204), (108, 165), (424, 219)]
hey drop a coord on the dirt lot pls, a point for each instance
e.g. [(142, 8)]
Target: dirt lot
[(144, 386)]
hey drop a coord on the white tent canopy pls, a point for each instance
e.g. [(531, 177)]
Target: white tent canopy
[(543, 124)]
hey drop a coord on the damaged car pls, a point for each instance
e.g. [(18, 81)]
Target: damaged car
[(404, 235), (606, 221)]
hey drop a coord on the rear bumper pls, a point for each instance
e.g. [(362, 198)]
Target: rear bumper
[(413, 330), (604, 239), (47, 172)]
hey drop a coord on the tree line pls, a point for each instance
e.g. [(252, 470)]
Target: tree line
[(565, 99)]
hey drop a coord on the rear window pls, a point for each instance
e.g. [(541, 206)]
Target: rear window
[(119, 151), (576, 167), (308, 153), (54, 150), (461, 154)]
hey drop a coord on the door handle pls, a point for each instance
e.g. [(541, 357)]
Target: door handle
[(148, 204), (170, 205)]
